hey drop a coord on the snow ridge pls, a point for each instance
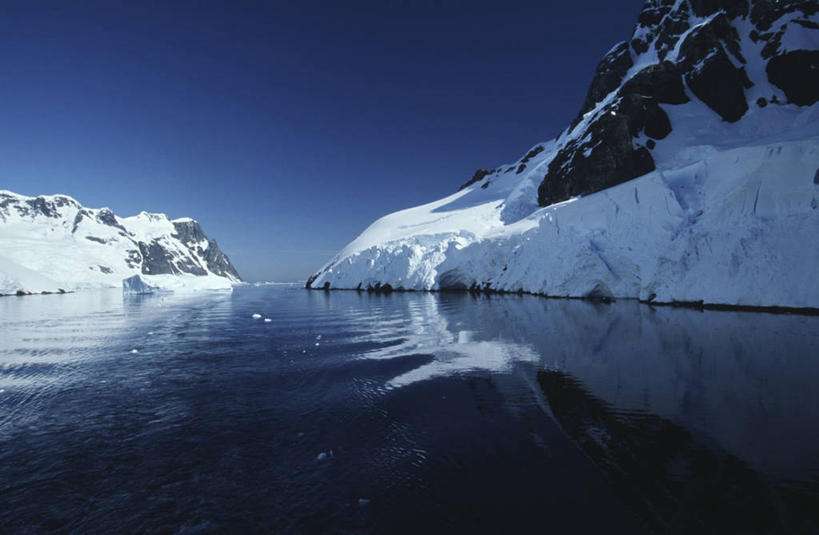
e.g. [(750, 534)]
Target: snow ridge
[(52, 243)]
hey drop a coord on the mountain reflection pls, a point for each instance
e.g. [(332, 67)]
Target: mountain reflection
[(707, 416), (674, 481)]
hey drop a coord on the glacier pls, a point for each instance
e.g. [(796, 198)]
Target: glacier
[(726, 212), (53, 244)]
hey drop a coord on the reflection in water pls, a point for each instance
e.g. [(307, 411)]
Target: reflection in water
[(738, 377), (53, 342), (671, 479), (426, 330), (484, 413), (690, 413)]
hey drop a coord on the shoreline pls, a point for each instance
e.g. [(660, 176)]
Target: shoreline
[(23, 293), (692, 305)]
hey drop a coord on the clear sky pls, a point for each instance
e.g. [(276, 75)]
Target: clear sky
[(285, 128)]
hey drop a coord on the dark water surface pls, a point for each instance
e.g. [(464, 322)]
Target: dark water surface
[(357, 413)]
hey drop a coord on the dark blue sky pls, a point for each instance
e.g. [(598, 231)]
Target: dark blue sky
[(285, 128)]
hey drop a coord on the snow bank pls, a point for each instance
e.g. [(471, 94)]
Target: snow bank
[(14, 278)]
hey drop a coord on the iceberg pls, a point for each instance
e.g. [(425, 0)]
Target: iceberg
[(135, 285)]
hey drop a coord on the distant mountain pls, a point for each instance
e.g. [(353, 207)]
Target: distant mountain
[(689, 174), (52, 243)]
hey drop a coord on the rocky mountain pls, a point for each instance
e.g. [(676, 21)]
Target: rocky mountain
[(720, 53), (52, 243), (689, 174)]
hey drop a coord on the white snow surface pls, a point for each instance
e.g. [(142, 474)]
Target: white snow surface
[(74, 249), (729, 216)]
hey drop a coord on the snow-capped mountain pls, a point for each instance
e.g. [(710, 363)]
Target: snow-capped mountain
[(52, 243), (690, 174)]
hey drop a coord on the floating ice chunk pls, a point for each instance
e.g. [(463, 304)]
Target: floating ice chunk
[(134, 351), (267, 320), (136, 285), (323, 456), (257, 316), (318, 337)]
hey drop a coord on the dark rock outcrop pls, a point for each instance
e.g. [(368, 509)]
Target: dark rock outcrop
[(42, 206), (107, 217), (672, 26), (733, 8), (529, 155), (134, 259), (218, 262), (479, 175), (765, 12), (532, 153), (654, 11), (191, 234), (710, 73), (601, 148), (610, 72), (607, 155), (311, 279), (797, 75), (662, 82), (156, 260)]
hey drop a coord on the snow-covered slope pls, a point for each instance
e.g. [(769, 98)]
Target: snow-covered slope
[(52, 243), (690, 174)]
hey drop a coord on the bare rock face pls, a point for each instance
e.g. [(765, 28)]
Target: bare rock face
[(710, 72), (765, 13), (610, 72), (191, 234), (795, 72), (671, 27), (157, 260), (797, 75), (479, 175), (691, 49), (662, 81), (732, 8), (607, 155), (35, 206)]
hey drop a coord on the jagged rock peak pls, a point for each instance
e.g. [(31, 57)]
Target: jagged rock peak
[(683, 50), (190, 232)]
